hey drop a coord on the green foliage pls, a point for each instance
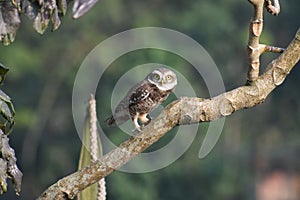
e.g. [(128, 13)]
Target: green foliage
[(3, 71), (40, 13), (7, 110), (8, 165)]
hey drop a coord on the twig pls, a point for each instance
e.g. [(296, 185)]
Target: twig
[(273, 49)]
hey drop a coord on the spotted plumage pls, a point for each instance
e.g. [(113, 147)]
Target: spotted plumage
[(144, 97)]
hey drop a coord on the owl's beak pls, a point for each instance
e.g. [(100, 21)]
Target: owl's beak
[(162, 82)]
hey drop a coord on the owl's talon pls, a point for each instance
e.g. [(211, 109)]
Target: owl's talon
[(136, 123), (148, 122), (149, 118), (138, 129)]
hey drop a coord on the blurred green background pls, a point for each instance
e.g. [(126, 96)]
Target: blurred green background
[(258, 149)]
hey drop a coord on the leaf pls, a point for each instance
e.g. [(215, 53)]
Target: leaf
[(55, 20), (9, 22), (3, 72), (8, 165), (81, 7), (17, 4), (62, 6), (3, 176), (42, 12)]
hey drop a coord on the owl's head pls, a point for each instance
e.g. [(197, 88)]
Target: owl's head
[(163, 78)]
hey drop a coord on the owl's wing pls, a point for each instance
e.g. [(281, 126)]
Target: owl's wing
[(140, 94), (121, 114)]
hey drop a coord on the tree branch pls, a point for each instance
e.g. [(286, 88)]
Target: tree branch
[(254, 48), (183, 111), (273, 49)]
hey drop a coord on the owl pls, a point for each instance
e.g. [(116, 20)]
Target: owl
[(144, 97)]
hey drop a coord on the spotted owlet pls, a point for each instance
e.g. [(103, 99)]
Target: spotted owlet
[(144, 97)]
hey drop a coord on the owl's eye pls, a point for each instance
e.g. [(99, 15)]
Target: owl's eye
[(169, 78), (156, 77)]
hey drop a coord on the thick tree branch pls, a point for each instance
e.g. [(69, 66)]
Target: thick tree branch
[(183, 111)]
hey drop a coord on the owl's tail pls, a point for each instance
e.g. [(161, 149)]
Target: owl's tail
[(111, 121), (117, 119)]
